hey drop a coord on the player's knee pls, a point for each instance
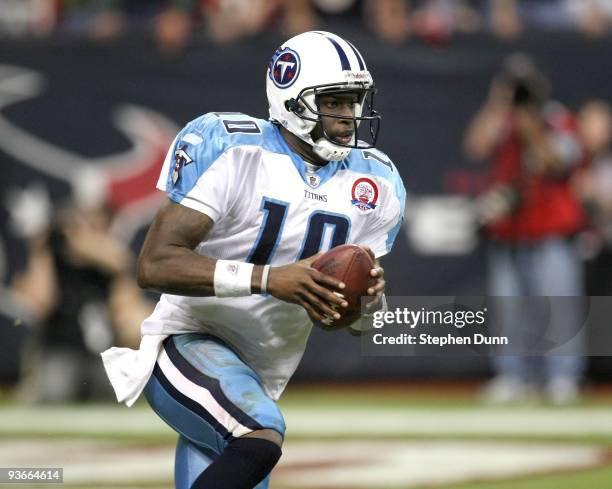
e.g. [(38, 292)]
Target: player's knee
[(260, 453), (267, 434), (244, 462), (272, 422)]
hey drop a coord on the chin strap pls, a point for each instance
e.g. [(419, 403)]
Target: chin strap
[(323, 147), (329, 151)]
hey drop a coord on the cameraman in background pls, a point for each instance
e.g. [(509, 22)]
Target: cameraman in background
[(530, 215), (81, 296)]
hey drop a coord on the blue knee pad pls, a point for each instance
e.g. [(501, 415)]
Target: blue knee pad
[(191, 461)]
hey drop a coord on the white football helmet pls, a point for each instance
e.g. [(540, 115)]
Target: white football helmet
[(315, 63)]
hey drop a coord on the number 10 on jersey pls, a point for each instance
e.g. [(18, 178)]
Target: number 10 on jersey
[(320, 224)]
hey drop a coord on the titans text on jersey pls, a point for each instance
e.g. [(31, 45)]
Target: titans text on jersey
[(269, 208), (251, 203)]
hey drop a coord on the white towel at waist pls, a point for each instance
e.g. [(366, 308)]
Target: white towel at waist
[(129, 370)]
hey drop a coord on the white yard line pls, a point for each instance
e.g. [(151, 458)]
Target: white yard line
[(317, 422), (452, 422), (369, 464)]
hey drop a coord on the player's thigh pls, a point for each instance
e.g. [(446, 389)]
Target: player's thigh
[(202, 389), (233, 383)]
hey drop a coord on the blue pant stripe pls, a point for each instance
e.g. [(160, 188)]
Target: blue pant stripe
[(209, 383), (190, 403)]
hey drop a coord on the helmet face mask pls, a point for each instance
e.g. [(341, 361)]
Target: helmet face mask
[(313, 65), (310, 111)]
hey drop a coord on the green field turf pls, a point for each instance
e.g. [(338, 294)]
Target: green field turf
[(333, 418), (591, 479)]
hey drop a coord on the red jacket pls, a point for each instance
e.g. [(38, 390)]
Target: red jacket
[(546, 204)]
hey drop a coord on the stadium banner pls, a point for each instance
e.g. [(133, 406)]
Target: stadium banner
[(72, 108)]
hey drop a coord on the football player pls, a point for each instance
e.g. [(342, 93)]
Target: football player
[(251, 203)]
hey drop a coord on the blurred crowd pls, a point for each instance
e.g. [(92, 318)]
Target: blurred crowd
[(550, 169), (77, 294), (173, 22), (546, 214)]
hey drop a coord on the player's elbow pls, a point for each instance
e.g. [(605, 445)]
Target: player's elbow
[(145, 275)]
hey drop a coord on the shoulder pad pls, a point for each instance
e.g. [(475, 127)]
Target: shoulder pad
[(225, 129), (371, 160)]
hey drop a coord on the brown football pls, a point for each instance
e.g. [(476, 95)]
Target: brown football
[(351, 264)]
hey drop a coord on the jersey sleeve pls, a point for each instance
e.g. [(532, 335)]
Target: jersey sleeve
[(387, 223), (199, 171)]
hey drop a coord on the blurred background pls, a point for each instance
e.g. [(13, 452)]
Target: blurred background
[(496, 113)]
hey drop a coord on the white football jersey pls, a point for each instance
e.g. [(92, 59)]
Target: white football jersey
[(268, 207)]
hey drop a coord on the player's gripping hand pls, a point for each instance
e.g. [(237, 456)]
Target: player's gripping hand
[(298, 283), (376, 292)]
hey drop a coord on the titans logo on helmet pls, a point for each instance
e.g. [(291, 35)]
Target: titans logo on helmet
[(284, 67)]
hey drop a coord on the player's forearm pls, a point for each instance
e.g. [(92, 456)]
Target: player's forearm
[(177, 270), (183, 272)]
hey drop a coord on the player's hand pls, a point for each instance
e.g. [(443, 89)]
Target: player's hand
[(375, 292), (301, 284)]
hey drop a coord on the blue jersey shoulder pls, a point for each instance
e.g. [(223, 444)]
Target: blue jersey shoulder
[(220, 131), (373, 161), (203, 140)]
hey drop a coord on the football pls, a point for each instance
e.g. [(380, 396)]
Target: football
[(351, 264)]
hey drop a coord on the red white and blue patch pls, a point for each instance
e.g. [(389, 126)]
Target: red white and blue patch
[(364, 194), (284, 67)]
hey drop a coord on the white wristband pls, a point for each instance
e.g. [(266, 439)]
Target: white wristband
[(232, 278), (264, 279)]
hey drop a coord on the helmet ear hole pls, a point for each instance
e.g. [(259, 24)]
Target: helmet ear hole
[(294, 106)]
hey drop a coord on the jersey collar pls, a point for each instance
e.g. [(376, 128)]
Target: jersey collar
[(324, 173)]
